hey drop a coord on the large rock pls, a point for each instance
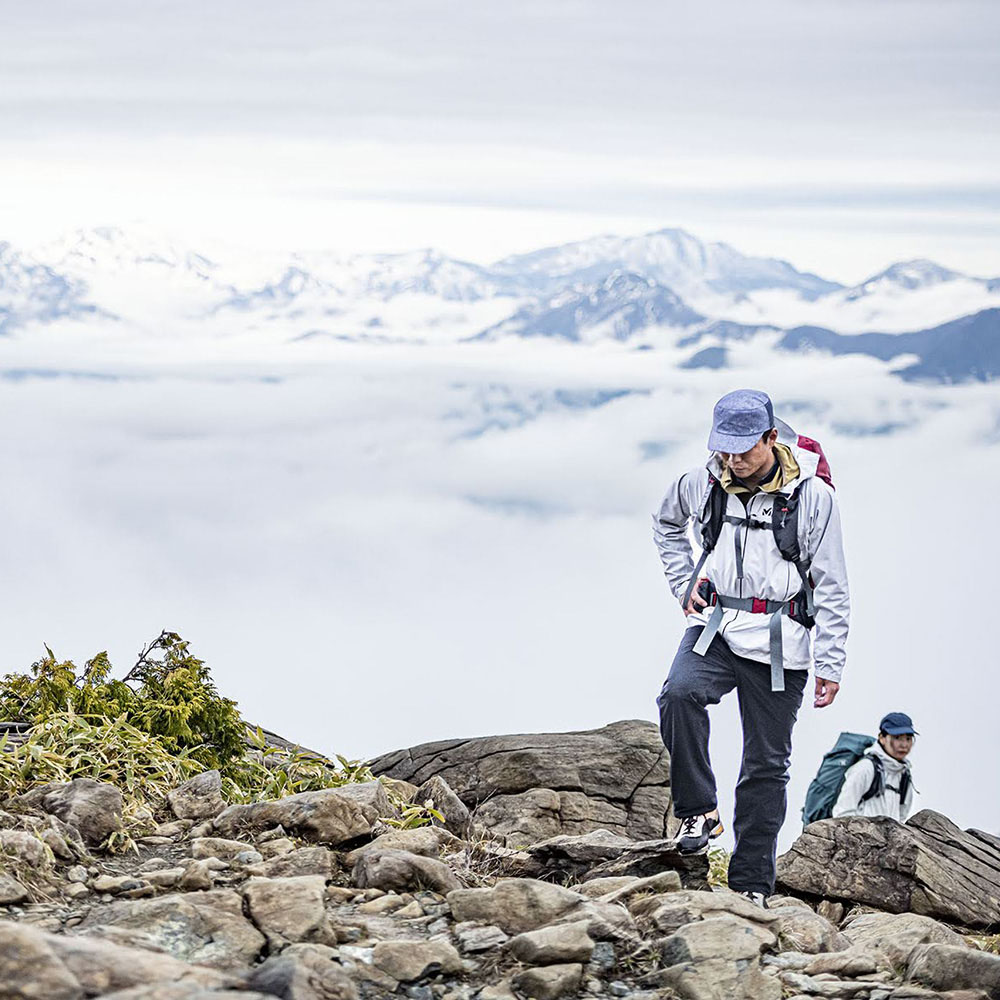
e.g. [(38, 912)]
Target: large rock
[(439, 795), (400, 871), (946, 967), (207, 928), (35, 965), (329, 815), (548, 982), (719, 959), (926, 866), (287, 910), (428, 841), (531, 787), (92, 807), (803, 930), (303, 976), (410, 960), (24, 847), (514, 905), (651, 857), (553, 945), (895, 935), (199, 797)]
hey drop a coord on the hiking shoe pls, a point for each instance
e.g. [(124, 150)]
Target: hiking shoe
[(757, 898), (696, 832)]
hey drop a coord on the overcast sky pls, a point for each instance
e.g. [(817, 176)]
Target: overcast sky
[(839, 134)]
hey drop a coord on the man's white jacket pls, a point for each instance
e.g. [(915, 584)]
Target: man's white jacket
[(765, 573)]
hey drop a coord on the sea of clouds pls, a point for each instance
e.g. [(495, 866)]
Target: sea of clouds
[(388, 544)]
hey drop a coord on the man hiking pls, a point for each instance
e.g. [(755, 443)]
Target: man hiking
[(880, 784), (773, 563)]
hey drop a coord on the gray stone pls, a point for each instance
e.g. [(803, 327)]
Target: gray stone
[(24, 847), (896, 935), (11, 891), (401, 871), (427, 841), (305, 975), (199, 797), (802, 929), (531, 787), (948, 967), (183, 991), (206, 928), (92, 807), (298, 861), (217, 847), (439, 795), (858, 960), (411, 960), (652, 857), (557, 944), (286, 909), (927, 866), (328, 815), (670, 911), (514, 905), (548, 982), (474, 937), (726, 937), (35, 965)]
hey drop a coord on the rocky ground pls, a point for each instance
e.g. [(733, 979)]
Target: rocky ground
[(318, 897)]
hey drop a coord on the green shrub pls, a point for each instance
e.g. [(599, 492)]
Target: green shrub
[(148, 732), (168, 693)]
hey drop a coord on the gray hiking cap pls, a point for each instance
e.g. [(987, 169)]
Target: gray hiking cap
[(739, 420)]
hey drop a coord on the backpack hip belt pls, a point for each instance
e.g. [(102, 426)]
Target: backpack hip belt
[(758, 606)]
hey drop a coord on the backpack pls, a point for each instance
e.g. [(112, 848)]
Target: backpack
[(824, 789), (784, 525)]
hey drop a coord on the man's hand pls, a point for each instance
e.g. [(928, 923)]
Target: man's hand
[(826, 691), (697, 602)]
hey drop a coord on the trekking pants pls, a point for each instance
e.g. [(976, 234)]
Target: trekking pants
[(697, 681)]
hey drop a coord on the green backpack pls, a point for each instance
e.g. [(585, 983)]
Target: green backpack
[(824, 789)]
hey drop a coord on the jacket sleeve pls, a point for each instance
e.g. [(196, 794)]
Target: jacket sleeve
[(857, 781), (828, 568), (670, 524)]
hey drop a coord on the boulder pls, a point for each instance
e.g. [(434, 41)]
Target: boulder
[(532, 787), (548, 982), (410, 960), (895, 935), (286, 909), (801, 929), (92, 807), (306, 975), (474, 937), (401, 871), (199, 797), (207, 928), (24, 847), (554, 945), (652, 857), (36, 965), (183, 991), (11, 891), (437, 793), (927, 866), (514, 905), (298, 861), (947, 967), (727, 937), (428, 841), (669, 912), (329, 815)]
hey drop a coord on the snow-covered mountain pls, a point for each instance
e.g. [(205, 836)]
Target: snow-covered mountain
[(671, 257), (33, 293), (616, 308), (706, 303)]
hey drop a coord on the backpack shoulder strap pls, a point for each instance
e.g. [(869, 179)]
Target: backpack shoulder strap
[(785, 526), (904, 784), (713, 513), (877, 787)]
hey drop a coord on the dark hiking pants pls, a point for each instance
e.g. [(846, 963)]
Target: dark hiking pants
[(697, 681)]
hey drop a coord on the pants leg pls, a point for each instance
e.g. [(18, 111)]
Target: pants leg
[(768, 717), (694, 682)]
